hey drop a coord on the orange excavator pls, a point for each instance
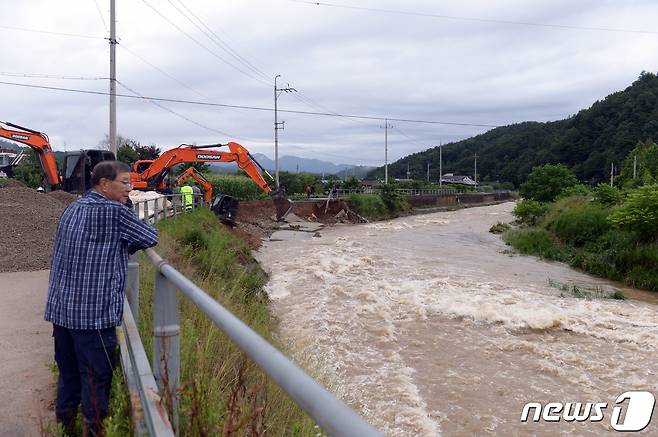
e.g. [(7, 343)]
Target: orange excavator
[(147, 175), (206, 186), (151, 174), (77, 166)]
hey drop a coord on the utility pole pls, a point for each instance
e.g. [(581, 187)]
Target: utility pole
[(277, 125), (407, 170), (440, 165), (612, 174), (428, 171), (634, 166), (475, 173), (386, 127), (113, 81)]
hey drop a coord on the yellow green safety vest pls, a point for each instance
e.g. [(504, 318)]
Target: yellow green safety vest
[(187, 197)]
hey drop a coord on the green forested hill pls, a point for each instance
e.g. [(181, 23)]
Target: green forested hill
[(587, 142)]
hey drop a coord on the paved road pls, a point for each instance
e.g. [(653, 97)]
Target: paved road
[(26, 349)]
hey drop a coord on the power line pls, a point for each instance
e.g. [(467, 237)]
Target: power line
[(171, 111), (255, 108), (75, 35), (183, 84), (212, 36), (197, 42), (481, 20), (101, 15), (50, 76)]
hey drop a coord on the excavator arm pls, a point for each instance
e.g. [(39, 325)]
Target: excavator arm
[(205, 184), (39, 143), (153, 176)]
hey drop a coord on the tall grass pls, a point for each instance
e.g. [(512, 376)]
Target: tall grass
[(370, 206), (378, 207), (241, 187), (222, 392)]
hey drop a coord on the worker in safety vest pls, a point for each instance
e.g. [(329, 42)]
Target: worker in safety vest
[(187, 197)]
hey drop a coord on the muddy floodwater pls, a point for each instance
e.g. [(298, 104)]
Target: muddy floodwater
[(428, 325)]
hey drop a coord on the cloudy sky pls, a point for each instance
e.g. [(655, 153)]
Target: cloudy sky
[(468, 62)]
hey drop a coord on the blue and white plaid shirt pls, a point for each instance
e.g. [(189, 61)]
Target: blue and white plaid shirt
[(90, 258)]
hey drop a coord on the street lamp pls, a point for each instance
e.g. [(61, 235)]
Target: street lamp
[(278, 125)]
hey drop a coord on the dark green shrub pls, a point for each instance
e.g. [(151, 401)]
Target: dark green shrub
[(394, 201), (546, 182), (528, 212), (581, 225), (370, 206), (575, 190), (639, 213), (607, 195)]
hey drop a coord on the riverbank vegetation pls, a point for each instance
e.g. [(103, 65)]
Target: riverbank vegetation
[(387, 204), (222, 392), (609, 231)]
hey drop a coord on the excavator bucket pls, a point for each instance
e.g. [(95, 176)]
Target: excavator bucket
[(226, 208), (282, 205)]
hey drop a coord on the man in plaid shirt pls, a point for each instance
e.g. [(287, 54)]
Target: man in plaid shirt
[(86, 292)]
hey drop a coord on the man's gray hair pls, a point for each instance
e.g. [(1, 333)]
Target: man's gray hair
[(108, 170)]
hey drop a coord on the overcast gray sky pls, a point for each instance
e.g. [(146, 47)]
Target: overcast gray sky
[(472, 62)]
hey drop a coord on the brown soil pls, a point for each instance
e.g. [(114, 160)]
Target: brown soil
[(63, 196), (28, 220), (256, 219)]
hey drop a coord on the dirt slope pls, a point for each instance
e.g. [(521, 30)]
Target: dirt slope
[(28, 221)]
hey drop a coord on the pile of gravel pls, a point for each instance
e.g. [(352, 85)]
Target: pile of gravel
[(28, 222)]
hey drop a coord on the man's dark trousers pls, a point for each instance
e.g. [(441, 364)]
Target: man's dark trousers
[(85, 358)]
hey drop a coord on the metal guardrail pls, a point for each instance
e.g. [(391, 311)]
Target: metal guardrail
[(147, 392), (166, 205), (419, 192)]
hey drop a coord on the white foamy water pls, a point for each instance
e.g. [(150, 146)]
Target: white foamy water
[(426, 326)]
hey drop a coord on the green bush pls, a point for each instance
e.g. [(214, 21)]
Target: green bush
[(639, 213), (528, 212), (546, 182), (581, 225), (607, 195), (394, 201), (29, 172), (370, 206), (575, 190)]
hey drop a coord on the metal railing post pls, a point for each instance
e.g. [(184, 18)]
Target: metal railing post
[(166, 343), (132, 285)]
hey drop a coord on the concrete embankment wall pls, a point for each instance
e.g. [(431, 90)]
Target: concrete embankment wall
[(429, 200)]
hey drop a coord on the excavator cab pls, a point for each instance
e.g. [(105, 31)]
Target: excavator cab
[(76, 172)]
